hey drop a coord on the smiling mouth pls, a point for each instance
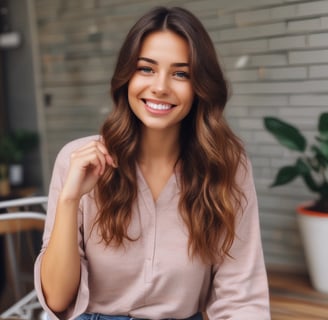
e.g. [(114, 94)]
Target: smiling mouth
[(158, 106)]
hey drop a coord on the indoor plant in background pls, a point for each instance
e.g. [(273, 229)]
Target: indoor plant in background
[(14, 146), (312, 166)]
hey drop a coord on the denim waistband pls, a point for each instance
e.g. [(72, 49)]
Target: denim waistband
[(98, 316)]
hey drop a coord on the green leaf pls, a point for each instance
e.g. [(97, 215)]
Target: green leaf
[(320, 157), (305, 172), (323, 125), (323, 145), (286, 175), (286, 134), (302, 167)]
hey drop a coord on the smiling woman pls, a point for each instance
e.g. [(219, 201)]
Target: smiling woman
[(157, 217)]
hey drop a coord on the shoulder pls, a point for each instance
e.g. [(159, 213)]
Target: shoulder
[(244, 175), (77, 143), (63, 155)]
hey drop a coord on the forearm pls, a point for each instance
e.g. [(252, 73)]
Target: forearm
[(61, 263), (60, 268)]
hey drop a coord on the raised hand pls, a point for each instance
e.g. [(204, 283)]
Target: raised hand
[(87, 164)]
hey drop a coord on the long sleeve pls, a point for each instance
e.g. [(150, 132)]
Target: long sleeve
[(240, 288), (58, 175)]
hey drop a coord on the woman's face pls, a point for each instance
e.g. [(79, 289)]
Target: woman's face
[(160, 91)]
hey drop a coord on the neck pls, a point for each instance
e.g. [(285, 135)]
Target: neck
[(158, 147)]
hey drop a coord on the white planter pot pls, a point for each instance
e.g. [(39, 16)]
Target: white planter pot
[(314, 233), (16, 174)]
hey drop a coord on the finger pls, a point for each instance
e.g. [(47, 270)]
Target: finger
[(101, 152), (110, 161), (102, 148), (90, 157)]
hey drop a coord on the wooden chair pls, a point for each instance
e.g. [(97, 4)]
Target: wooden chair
[(16, 218)]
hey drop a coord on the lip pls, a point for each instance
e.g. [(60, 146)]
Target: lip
[(163, 107)]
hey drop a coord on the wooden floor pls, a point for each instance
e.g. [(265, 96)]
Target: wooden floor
[(292, 297)]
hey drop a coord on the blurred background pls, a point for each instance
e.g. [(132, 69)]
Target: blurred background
[(57, 59)]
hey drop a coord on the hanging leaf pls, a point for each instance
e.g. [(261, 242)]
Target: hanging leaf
[(320, 157), (302, 167), (323, 125), (285, 175), (286, 134), (323, 145), (305, 172)]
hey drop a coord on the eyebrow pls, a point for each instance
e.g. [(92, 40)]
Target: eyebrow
[(175, 64)]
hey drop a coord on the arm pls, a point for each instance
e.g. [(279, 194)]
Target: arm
[(60, 267), (61, 262), (240, 287)]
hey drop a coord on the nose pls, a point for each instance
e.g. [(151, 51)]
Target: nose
[(160, 85)]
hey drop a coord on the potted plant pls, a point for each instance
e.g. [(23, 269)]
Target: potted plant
[(14, 146), (312, 167)]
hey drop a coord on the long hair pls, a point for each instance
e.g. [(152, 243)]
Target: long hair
[(210, 153)]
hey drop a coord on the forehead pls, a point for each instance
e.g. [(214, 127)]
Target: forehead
[(165, 45)]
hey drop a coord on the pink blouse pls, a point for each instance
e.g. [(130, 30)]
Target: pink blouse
[(153, 277)]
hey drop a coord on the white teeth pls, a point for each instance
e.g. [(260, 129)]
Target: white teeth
[(159, 106)]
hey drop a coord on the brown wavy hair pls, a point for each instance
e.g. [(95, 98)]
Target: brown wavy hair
[(210, 153)]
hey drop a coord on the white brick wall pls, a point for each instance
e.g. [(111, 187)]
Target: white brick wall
[(282, 73), (283, 43), (304, 25), (320, 71), (275, 53), (316, 8), (309, 100), (317, 86), (284, 48), (259, 100), (243, 47), (266, 30), (318, 40), (308, 57)]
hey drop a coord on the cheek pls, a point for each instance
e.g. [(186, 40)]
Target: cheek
[(132, 90), (135, 89), (189, 95), (136, 83)]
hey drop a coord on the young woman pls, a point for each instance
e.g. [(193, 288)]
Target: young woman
[(156, 218)]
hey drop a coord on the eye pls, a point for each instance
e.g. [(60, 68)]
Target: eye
[(181, 75), (146, 70)]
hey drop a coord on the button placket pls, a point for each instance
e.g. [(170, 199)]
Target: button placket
[(150, 254), (149, 232)]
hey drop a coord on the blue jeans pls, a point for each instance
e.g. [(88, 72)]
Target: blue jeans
[(97, 316)]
